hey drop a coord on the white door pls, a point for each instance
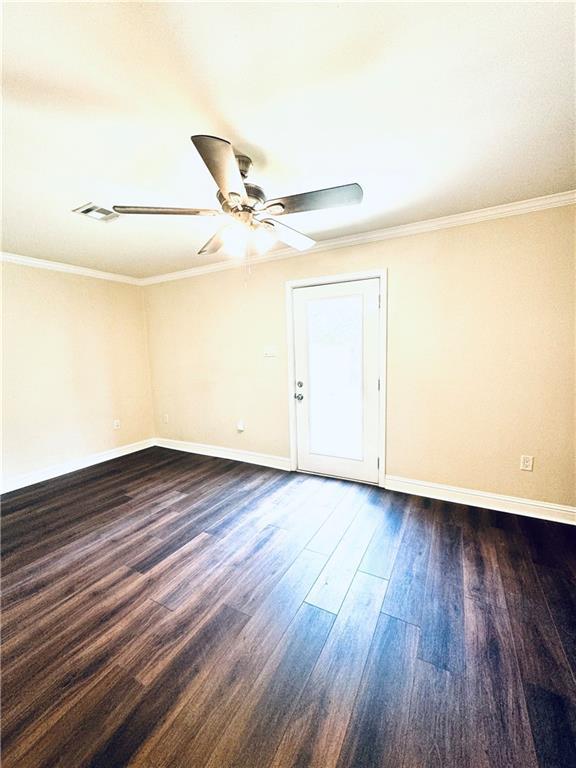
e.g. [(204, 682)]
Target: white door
[(336, 385)]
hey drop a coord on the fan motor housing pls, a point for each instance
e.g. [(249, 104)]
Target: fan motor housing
[(255, 194)]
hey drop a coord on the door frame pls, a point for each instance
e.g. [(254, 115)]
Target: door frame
[(291, 285)]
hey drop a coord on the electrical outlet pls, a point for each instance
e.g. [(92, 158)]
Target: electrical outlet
[(240, 426), (116, 423), (527, 463), (165, 418)]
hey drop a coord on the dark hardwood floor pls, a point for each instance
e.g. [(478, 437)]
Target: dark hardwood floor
[(166, 610)]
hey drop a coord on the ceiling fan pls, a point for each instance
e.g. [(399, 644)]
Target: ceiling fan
[(251, 230)]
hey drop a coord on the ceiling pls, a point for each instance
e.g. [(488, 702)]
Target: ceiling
[(434, 109)]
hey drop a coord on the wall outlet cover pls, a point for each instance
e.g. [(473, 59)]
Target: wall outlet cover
[(527, 463)]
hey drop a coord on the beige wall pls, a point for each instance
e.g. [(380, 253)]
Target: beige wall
[(481, 357), (74, 359), (481, 353)]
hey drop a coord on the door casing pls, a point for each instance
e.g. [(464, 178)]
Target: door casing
[(381, 274)]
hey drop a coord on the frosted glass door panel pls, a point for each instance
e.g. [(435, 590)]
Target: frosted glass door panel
[(335, 407)]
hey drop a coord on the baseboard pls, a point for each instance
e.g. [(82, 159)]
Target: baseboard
[(39, 475), (250, 457), (544, 510), (513, 504), (541, 509)]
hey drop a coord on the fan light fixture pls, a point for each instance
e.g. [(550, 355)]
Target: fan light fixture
[(263, 240), (240, 240), (235, 238)]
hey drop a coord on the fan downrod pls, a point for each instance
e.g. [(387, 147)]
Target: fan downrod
[(244, 164), (255, 194)]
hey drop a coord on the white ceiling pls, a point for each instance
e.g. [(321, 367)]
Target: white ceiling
[(433, 108)]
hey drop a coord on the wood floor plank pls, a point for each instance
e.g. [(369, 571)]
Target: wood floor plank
[(192, 736), (254, 732), (148, 712), (31, 600), (265, 569), (119, 588), (331, 531), (541, 605), (29, 712), (379, 557), (317, 729), (437, 736), (551, 545), (301, 502), (553, 720), (498, 722), (379, 724), (560, 593), (482, 580), (217, 568), (541, 655), (405, 594), (333, 583), (442, 635), (133, 518), (263, 510), (517, 570), (207, 512), (79, 732), (148, 652), (306, 519), (165, 548)]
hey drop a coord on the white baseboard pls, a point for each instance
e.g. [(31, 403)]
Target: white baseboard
[(250, 457), (55, 470), (544, 510), (37, 476), (515, 505)]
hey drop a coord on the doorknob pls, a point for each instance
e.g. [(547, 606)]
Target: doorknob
[(298, 396), (299, 383)]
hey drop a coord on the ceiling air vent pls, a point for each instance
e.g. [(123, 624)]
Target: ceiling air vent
[(94, 211)]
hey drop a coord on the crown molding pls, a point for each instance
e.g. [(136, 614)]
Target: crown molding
[(72, 269), (403, 230), (376, 235)]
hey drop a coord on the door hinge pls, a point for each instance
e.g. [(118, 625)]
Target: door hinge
[(378, 384), (378, 463), (379, 301)]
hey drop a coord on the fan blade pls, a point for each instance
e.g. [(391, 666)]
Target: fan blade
[(214, 244), (347, 194), (290, 236), (220, 160), (166, 211)]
